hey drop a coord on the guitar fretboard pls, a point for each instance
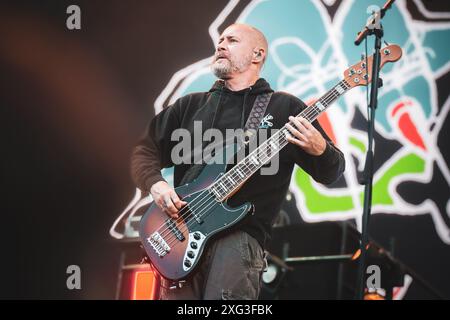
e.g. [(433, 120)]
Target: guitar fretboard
[(244, 169)]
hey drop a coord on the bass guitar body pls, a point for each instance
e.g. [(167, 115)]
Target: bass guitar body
[(175, 246)]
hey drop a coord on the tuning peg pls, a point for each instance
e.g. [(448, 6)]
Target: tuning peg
[(363, 56)]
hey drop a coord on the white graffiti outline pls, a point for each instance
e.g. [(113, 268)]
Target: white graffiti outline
[(411, 66)]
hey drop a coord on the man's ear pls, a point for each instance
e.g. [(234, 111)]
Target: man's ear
[(258, 54)]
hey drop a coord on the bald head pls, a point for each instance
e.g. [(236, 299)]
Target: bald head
[(254, 36)]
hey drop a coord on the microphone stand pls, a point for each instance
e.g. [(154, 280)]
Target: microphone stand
[(376, 29)]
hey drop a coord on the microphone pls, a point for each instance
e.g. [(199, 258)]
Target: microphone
[(363, 34)]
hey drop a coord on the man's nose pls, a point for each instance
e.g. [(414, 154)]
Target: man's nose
[(220, 48)]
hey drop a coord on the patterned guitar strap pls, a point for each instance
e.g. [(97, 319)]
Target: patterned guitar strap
[(256, 115)]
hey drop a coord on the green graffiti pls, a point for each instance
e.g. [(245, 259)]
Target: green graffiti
[(358, 144), (319, 203), (408, 164)]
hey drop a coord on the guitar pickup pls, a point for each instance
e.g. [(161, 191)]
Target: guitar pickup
[(174, 229)]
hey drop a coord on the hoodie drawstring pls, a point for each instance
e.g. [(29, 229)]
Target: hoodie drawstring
[(217, 108), (243, 107)]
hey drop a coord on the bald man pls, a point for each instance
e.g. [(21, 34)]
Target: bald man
[(232, 265)]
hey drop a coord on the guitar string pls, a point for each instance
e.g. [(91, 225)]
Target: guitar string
[(208, 205), (310, 111), (330, 96), (314, 111)]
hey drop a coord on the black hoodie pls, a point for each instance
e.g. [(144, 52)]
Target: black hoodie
[(223, 109)]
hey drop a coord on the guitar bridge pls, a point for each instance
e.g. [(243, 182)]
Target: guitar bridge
[(158, 244)]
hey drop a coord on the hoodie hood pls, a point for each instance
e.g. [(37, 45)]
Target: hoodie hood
[(260, 86)]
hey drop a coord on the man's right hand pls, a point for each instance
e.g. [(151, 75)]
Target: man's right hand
[(167, 199)]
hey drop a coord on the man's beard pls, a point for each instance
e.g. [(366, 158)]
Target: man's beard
[(223, 69)]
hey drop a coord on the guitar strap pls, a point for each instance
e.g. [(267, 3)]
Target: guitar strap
[(256, 114), (253, 121)]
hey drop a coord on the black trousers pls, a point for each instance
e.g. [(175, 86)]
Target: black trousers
[(231, 269)]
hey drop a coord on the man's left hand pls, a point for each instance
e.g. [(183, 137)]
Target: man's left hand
[(306, 136)]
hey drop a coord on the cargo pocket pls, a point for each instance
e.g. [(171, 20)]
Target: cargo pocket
[(238, 268), (252, 253), (254, 260)]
